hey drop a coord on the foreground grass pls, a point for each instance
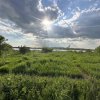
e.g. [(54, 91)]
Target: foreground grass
[(25, 87), (50, 76)]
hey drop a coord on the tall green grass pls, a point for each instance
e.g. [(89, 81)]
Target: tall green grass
[(50, 76)]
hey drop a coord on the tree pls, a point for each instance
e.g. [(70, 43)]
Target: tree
[(97, 49), (2, 39), (46, 50), (4, 47), (24, 49)]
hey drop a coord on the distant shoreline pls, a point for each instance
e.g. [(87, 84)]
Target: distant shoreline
[(58, 49)]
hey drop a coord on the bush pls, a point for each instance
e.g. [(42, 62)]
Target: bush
[(2, 39), (46, 50), (4, 47), (97, 49), (88, 50), (24, 49)]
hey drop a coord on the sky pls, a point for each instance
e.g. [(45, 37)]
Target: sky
[(51, 23)]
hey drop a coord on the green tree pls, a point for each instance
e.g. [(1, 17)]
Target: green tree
[(46, 50), (24, 49), (2, 39), (97, 49), (4, 47)]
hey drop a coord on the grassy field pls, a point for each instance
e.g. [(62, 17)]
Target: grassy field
[(50, 76)]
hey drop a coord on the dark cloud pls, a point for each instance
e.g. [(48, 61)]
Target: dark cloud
[(25, 14), (52, 12), (61, 32), (88, 24)]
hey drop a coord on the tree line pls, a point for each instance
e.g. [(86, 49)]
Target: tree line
[(5, 47)]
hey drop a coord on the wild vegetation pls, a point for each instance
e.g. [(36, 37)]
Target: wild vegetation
[(37, 75), (46, 49), (4, 47), (24, 49)]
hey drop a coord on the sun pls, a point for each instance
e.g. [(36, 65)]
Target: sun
[(47, 24)]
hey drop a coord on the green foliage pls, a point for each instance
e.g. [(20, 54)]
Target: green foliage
[(19, 68), (4, 70), (2, 39), (88, 50), (97, 49), (4, 47), (24, 49), (50, 76), (18, 87), (46, 50)]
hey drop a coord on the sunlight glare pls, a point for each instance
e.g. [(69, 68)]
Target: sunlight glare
[(47, 24)]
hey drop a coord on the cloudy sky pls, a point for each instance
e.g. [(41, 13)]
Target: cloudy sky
[(53, 23)]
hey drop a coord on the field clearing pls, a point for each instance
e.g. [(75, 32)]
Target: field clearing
[(50, 76)]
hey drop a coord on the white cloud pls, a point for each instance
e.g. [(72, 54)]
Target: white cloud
[(73, 42), (74, 18), (15, 35), (86, 43), (67, 22), (40, 6)]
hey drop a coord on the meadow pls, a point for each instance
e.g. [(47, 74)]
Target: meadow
[(56, 75)]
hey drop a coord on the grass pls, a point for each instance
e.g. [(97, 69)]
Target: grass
[(50, 76)]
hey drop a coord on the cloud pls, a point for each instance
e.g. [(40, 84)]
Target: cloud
[(84, 23), (15, 35), (28, 15), (24, 12), (86, 43), (21, 20), (88, 24), (72, 42)]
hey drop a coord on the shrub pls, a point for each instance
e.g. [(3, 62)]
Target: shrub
[(88, 50), (2, 39), (97, 49), (24, 49), (46, 50), (4, 47)]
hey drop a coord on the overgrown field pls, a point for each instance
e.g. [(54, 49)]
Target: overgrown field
[(50, 76)]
